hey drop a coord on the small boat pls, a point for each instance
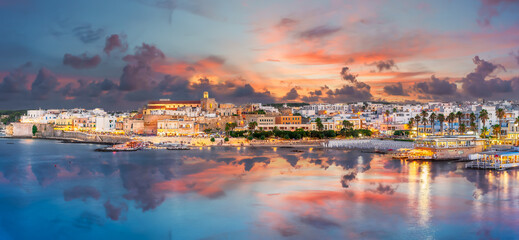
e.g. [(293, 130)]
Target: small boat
[(125, 147)]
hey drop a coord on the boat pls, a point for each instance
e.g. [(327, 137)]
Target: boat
[(443, 148), (125, 147), (497, 160)]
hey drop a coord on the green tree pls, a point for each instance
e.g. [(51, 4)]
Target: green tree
[(432, 118), (212, 139), (226, 139), (347, 124), (450, 120), (484, 132), (500, 115), (496, 130), (207, 130), (441, 119), (483, 116), (410, 124), (34, 130), (252, 125), (462, 129), (320, 125)]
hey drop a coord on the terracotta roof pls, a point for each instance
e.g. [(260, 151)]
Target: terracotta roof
[(174, 102)]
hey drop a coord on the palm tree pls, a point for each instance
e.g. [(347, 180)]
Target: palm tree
[(473, 127), (410, 124), (500, 115), (432, 118), (450, 119), (516, 120), (484, 132), (319, 123), (462, 128), (417, 120), (387, 115), (472, 118), (483, 116), (496, 130), (253, 125), (424, 115), (459, 115), (441, 119)]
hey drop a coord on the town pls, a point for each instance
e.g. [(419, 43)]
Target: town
[(206, 119)]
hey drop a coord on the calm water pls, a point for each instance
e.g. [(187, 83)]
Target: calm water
[(50, 190)]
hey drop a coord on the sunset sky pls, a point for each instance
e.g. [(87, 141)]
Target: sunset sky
[(119, 54)]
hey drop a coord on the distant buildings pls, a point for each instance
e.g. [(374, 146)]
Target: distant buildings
[(198, 117)]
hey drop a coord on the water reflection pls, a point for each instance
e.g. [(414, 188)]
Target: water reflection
[(273, 192)]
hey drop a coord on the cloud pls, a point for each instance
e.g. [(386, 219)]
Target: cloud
[(348, 93), (318, 221), (87, 34), (436, 87), (476, 85), (516, 56), (81, 192), (249, 162), (14, 83), (82, 61), (395, 89), (383, 189), (347, 178), (318, 32), (44, 84), (348, 76), (138, 72), (491, 8), (286, 23), (115, 41), (291, 95), (114, 212), (384, 65)]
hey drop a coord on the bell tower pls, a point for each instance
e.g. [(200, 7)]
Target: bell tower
[(206, 94)]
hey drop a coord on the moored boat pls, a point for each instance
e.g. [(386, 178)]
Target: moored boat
[(125, 147)]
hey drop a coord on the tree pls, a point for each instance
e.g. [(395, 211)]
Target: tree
[(410, 124), (212, 139), (472, 118), (253, 125), (207, 130), (34, 130), (347, 124), (387, 116), (320, 125), (424, 115), (417, 119), (441, 119), (483, 116), (450, 119), (432, 118), (226, 139), (459, 115), (496, 130), (516, 120), (462, 128), (500, 115), (484, 132)]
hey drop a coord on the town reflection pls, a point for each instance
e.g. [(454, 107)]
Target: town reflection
[(291, 191)]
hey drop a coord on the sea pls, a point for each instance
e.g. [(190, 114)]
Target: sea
[(53, 190)]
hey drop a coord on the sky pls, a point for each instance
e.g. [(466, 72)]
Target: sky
[(119, 54)]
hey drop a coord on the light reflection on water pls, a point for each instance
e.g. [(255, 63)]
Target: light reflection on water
[(70, 191)]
